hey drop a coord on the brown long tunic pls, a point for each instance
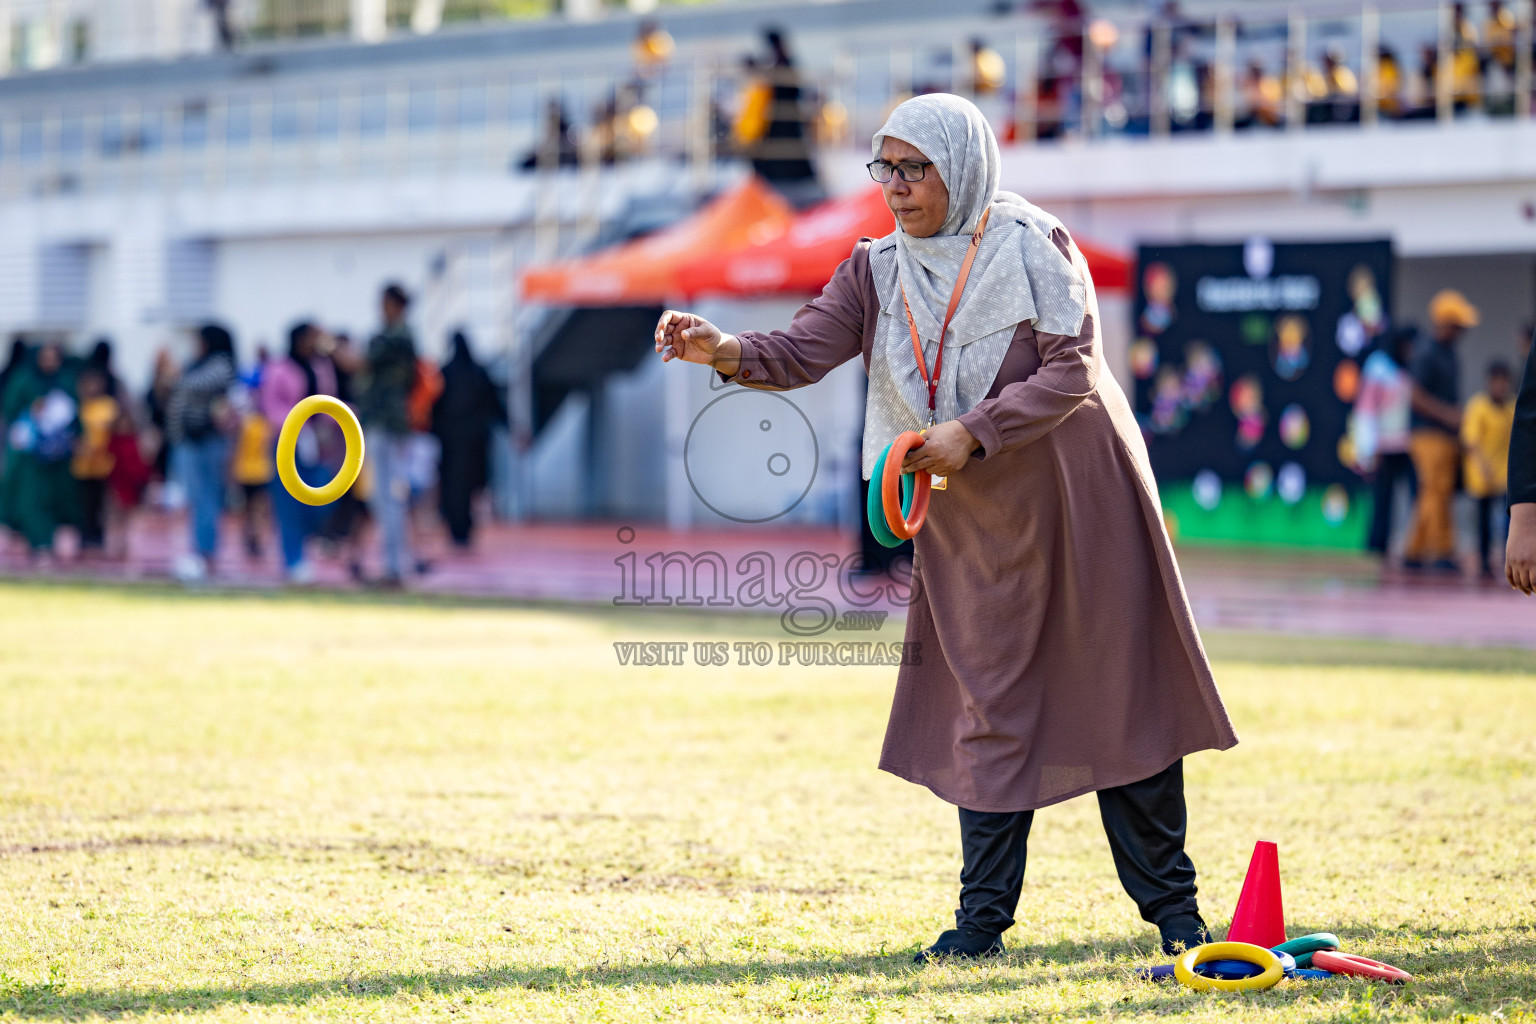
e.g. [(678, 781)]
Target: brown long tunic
[(1058, 652)]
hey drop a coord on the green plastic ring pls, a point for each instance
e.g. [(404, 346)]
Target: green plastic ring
[(1303, 947), (874, 507)]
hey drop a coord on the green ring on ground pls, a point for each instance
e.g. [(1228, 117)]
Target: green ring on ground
[(1303, 947), (874, 505)]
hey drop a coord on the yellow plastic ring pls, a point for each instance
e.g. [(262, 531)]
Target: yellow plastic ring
[(288, 439), (1184, 967)]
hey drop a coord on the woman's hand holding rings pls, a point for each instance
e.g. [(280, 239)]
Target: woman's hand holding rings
[(946, 449)]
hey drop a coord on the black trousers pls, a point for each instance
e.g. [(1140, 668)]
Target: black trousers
[(1390, 468), (461, 474), (93, 505), (1145, 823), (1487, 508)]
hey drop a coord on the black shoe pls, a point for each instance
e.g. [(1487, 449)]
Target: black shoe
[(1447, 566), (962, 945), (1183, 931)]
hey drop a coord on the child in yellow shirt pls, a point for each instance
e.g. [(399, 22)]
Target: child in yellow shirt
[(253, 469), (92, 461), (1485, 430)]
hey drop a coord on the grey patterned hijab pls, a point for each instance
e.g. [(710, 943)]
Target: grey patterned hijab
[(1018, 275)]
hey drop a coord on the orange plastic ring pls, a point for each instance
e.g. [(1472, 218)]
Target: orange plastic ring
[(1358, 966), (890, 488)]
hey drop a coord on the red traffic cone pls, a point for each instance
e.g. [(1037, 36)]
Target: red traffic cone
[(1260, 915)]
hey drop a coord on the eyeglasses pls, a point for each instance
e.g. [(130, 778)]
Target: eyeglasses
[(910, 170)]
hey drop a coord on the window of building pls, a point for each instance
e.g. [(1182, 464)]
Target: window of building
[(237, 123)]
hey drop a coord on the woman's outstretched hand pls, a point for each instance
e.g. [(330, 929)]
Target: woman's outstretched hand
[(687, 337), (946, 449)]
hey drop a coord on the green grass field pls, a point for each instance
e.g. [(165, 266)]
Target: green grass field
[(245, 808)]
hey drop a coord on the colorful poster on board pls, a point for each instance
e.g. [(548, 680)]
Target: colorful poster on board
[(1245, 362)]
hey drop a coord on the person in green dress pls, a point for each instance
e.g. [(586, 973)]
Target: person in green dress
[(38, 494)]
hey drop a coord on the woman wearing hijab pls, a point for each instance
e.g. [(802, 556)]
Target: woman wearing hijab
[(1058, 653), (463, 417)]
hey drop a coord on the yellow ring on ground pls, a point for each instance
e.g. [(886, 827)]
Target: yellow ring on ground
[(288, 439), (1184, 967)]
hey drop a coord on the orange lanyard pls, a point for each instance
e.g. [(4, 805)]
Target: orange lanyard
[(954, 302)]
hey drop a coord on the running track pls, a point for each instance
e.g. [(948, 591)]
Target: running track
[(1296, 593)]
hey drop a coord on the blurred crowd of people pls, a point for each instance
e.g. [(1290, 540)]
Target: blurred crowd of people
[(1160, 76), (82, 453), (1409, 427), (773, 120), (1176, 57)]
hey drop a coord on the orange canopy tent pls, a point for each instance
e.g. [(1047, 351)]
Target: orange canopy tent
[(645, 270), (799, 260), (746, 242), (802, 259)]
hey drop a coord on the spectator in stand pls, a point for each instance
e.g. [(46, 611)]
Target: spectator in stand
[(782, 153), (1435, 440), (389, 373), (222, 25), (1520, 550), (1379, 428), (1190, 98), (1466, 62), (1499, 33), (652, 49), (466, 413), (1485, 431), (1261, 100), (989, 71), (557, 145), (1333, 90), (198, 423), (91, 465), (1419, 88), (306, 371), (1389, 84), (1058, 93), (38, 494)]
